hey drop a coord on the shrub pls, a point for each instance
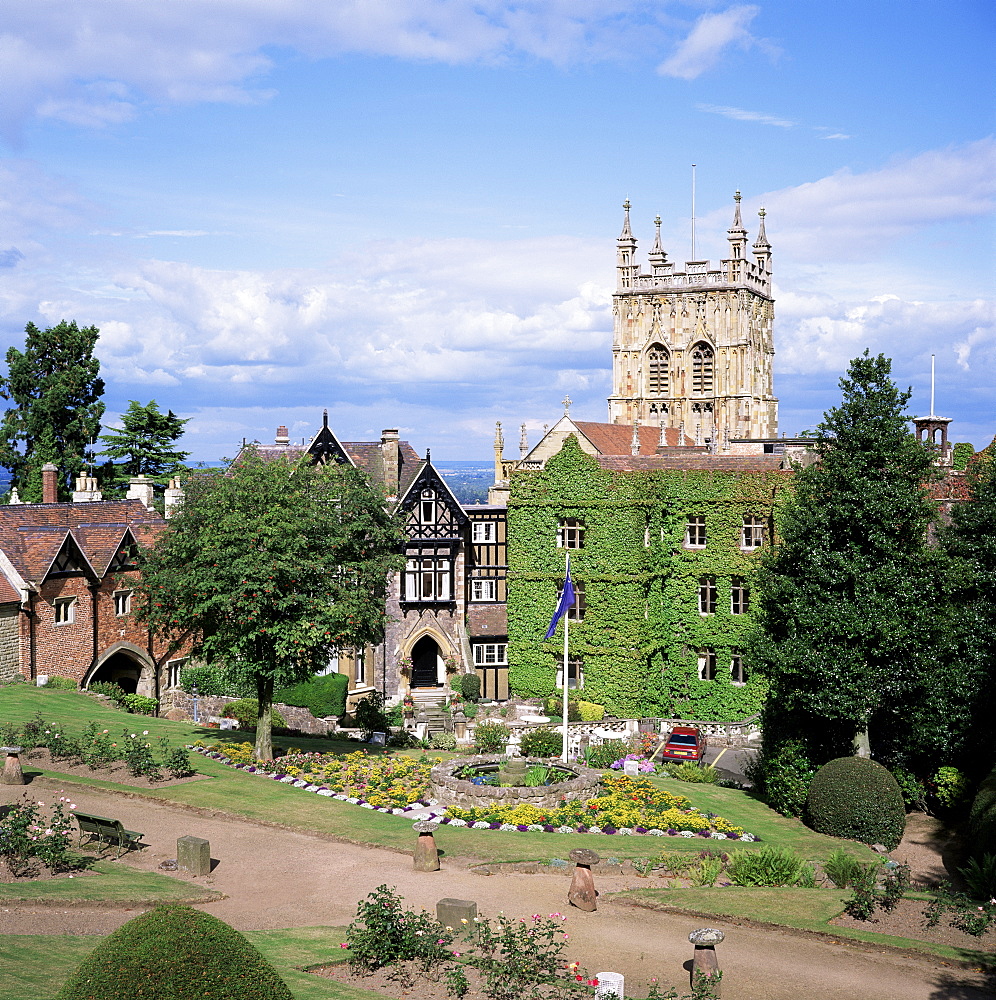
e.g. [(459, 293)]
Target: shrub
[(542, 742), (246, 710), (322, 696), (554, 706), (982, 819), (857, 798), (138, 704), (605, 754), (470, 710), (179, 953), (370, 715), (490, 737), (769, 866), (470, 686), (209, 681), (687, 771), (870, 894), (913, 790), (842, 868), (112, 691), (783, 778), (29, 838), (62, 684), (951, 787), (590, 712), (442, 741), (980, 877)]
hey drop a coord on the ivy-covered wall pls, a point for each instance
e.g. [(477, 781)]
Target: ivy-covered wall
[(642, 629)]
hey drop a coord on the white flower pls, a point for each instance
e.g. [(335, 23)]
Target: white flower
[(716, 835), (656, 833), (287, 780), (507, 827), (594, 829), (352, 799), (566, 829), (326, 792), (535, 828), (458, 822), (480, 825), (300, 784), (748, 838), (365, 805), (145, 732), (685, 833)]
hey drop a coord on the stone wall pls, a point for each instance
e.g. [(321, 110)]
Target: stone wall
[(10, 658), (177, 704)]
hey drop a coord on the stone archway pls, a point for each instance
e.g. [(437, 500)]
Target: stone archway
[(427, 663), (128, 666)]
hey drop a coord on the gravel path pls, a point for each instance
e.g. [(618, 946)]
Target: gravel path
[(275, 878)]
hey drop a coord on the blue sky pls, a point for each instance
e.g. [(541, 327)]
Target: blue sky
[(406, 210)]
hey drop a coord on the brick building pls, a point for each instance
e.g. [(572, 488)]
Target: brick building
[(67, 576)]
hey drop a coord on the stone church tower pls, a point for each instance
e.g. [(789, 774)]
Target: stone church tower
[(693, 349)]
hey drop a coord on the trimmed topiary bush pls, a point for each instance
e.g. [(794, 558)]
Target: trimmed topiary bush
[(175, 953), (857, 798), (982, 819), (590, 711), (470, 686), (322, 696), (542, 743), (246, 710)]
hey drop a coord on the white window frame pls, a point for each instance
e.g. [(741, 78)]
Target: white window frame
[(707, 664), (359, 667), (173, 671), (64, 610), (490, 654), (427, 578), (738, 670), (695, 532), (484, 532), (752, 533), (122, 602), (427, 507), (575, 673), (483, 589), (707, 595), (570, 533), (739, 587)]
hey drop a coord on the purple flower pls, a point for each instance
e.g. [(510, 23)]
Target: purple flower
[(582, 828), (704, 833), (547, 828), (733, 836), (608, 829), (250, 767), (495, 826), (640, 829), (672, 832), (522, 827), (444, 819)]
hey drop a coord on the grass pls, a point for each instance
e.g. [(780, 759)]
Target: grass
[(112, 883), (34, 966)]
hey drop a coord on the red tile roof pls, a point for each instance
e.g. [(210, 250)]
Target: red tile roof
[(617, 439)]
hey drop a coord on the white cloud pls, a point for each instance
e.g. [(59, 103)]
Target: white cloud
[(712, 33), (742, 115)]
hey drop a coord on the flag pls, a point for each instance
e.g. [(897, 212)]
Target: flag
[(566, 600)]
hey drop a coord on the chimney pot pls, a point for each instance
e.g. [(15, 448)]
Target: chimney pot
[(283, 436), (50, 483)]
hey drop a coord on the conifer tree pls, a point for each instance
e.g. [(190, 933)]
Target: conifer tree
[(273, 567), (853, 605), (143, 446), (56, 389)]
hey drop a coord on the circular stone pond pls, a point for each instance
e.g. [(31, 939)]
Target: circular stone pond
[(575, 782)]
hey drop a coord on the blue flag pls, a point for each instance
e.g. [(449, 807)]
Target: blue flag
[(566, 600)]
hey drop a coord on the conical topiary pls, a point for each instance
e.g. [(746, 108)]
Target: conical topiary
[(857, 798), (175, 953)]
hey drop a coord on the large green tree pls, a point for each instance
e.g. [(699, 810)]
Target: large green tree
[(56, 389), (144, 445), (274, 567), (853, 606)]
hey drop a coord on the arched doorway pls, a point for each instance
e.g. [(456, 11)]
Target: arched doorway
[(129, 667), (426, 660)]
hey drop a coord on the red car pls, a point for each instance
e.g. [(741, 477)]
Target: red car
[(684, 743)]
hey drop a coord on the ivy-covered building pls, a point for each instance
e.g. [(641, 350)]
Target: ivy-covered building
[(664, 552)]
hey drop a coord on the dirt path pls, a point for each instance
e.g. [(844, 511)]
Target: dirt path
[(275, 878)]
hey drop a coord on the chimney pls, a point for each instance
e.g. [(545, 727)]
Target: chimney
[(50, 483), (283, 437), (86, 490), (173, 497), (391, 457), (141, 488)]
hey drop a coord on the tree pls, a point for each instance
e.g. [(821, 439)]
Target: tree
[(143, 446), (56, 387), (853, 598), (274, 567)]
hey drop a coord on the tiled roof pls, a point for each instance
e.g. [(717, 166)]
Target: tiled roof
[(484, 620), (693, 460), (369, 456), (617, 439), (31, 535)]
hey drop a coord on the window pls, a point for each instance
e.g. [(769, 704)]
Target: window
[(707, 595), (738, 671), (427, 579), (695, 532), (658, 361), (488, 653), (570, 534), (575, 672), (702, 369), (65, 610), (707, 664), (122, 602), (173, 670), (483, 590), (752, 536), (427, 508), (360, 667), (576, 611), (739, 597), (484, 531)]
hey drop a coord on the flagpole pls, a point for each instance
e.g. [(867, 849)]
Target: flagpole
[(567, 618)]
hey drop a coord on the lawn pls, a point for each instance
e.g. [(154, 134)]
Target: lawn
[(34, 966)]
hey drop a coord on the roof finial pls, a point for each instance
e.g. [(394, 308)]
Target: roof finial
[(627, 233), (657, 235), (325, 418), (523, 442), (566, 401), (428, 457)]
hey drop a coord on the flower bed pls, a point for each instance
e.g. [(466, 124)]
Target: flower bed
[(630, 806)]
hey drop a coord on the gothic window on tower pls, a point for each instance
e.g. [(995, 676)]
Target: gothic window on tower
[(658, 365), (702, 369)]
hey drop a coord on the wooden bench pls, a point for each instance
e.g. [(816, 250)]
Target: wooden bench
[(108, 830)]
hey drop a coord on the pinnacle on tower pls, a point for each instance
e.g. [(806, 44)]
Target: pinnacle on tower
[(762, 248), (657, 256), (627, 233), (737, 234), (626, 267)]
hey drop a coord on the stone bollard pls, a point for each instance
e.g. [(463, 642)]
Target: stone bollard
[(704, 960), (193, 855), (582, 891), (12, 773), (426, 855), (454, 912)]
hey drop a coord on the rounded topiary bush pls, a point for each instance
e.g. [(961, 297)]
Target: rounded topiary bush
[(857, 798), (175, 953), (982, 819)]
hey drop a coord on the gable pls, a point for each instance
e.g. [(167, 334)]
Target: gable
[(325, 447), (429, 509), (69, 561)]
